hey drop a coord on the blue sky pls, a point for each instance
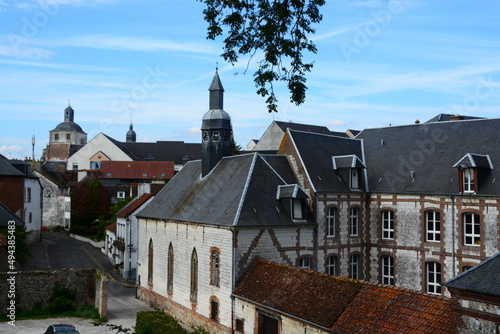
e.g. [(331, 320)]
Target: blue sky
[(379, 63)]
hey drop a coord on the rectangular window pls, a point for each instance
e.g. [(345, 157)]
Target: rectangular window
[(267, 324), (297, 209), (240, 325), (331, 265), (28, 195), (433, 274), (354, 267), (354, 178), (433, 226), (472, 229), (353, 222), (387, 225), (330, 222), (468, 179), (120, 194), (388, 270), (214, 277)]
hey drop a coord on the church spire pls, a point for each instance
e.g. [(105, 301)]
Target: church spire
[(131, 136), (69, 113), (216, 93), (215, 128)]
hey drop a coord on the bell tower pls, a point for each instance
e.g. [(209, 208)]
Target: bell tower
[(216, 129)]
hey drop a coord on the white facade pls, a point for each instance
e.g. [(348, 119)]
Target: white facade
[(54, 200), (100, 148), (184, 238), (32, 214)]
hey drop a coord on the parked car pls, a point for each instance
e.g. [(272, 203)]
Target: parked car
[(61, 329)]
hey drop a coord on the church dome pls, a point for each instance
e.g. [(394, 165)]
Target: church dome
[(68, 126), (131, 135)]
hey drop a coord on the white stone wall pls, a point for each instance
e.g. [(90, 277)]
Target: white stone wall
[(184, 237), (409, 247), (32, 214), (53, 203)]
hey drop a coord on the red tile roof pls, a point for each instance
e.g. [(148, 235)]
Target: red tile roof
[(136, 169), (133, 206), (111, 227), (345, 305)]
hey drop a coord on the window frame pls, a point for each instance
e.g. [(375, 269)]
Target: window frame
[(387, 224), (387, 276), (331, 268), (193, 295), (354, 221), (468, 180), (150, 261), (354, 262), (331, 222), (303, 264), (474, 235), (435, 223), (433, 275), (170, 269), (297, 208), (215, 267)]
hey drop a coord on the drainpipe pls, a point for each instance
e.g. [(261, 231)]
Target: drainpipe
[(315, 235), (453, 235), (233, 278)]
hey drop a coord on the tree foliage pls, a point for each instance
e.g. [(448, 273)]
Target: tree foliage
[(280, 29)]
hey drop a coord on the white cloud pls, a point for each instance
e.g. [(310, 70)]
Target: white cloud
[(25, 52), (5, 150)]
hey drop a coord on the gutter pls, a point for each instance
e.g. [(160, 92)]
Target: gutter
[(288, 315)]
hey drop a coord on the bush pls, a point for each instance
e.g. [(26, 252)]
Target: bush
[(157, 322)]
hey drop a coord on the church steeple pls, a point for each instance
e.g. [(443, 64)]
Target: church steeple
[(69, 113), (215, 128), (131, 136), (216, 93)]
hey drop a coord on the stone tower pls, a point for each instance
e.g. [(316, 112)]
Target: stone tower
[(215, 128)]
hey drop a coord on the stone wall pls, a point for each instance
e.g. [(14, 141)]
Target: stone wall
[(32, 287)]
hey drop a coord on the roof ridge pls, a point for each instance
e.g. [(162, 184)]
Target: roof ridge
[(245, 189)]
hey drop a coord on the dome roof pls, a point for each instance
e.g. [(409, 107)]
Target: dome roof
[(68, 126)]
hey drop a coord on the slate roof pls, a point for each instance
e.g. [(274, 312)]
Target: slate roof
[(344, 305), (174, 151), (483, 278), (6, 215), (239, 191), (308, 128), (430, 150), (131, 207), (316, 152), (7, 169), (136, 169)]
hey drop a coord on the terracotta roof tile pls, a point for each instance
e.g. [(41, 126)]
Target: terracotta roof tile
[(345, 305), (133, 206), (136, 169)]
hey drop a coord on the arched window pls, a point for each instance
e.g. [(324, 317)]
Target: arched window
[(150, 261), (214, 268), (433, 277), (170, 269), (387, 270), (194, 276)]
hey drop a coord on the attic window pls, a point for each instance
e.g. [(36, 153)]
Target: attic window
[(472, 168), (297, 208), (293, 198), (352, 165), (144, 174)]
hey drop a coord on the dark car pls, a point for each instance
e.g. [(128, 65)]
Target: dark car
[(61, 329)]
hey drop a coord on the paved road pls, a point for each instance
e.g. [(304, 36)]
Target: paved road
[(59, 251)]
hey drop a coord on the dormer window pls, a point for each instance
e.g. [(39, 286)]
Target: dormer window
[(293, 197), (472, 168), (349, 169)]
